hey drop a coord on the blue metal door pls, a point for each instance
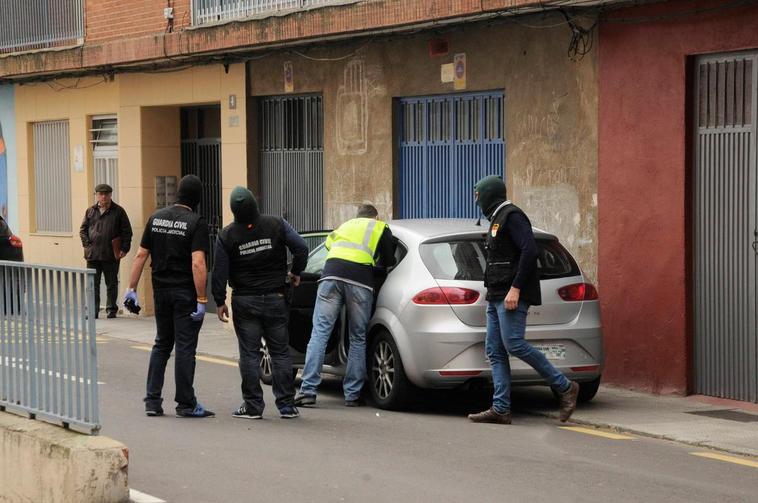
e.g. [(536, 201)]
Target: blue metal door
[(447, 143)]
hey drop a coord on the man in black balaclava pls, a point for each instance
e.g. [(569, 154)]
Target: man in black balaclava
[(251, 255), (176, 238), (513, 284)]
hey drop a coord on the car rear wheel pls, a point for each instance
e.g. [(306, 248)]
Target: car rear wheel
[(588, 390), (267, 373), (388, 385)]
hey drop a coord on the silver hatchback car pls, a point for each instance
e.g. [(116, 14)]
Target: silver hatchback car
[(429, 323)]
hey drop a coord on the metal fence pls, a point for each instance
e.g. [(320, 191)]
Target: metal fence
[(48, 353), (37, 24), (212, 11)]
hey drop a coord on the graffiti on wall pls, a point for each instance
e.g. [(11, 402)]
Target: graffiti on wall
[(360, 82), (3, 176)]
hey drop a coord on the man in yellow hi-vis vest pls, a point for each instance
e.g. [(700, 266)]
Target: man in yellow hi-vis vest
[(347, 280)]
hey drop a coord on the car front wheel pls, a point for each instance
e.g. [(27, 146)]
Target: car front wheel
[(388, 385)]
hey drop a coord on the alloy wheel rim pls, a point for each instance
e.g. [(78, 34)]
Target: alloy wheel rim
[(383, 370), (265, 360)]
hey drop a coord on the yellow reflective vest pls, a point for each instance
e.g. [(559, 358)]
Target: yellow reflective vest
[(356, 240)]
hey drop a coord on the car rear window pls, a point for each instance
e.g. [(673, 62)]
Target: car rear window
[(465, 259)]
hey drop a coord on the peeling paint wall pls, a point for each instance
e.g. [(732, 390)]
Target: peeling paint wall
[(550, 117)]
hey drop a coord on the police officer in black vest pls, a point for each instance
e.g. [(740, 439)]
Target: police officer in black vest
[(251, 255), (513, 284), (176, 239)]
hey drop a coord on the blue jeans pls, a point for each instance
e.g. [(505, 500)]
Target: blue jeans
[(332, 295), (505, 334)]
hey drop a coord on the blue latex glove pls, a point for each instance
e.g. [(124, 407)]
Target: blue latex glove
[(199, 313), (130, 301)]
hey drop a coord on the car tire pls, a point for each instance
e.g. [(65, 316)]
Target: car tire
[(387, 383), (267, 374), (588, 390)]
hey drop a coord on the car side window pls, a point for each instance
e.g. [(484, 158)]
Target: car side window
[(316, 260)]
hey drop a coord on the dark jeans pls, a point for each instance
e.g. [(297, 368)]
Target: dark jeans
[(174, 328), (257, 316), (109, 269)]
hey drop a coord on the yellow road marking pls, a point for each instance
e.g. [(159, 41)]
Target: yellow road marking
[(202, 358), (728, 459), (598, 433)]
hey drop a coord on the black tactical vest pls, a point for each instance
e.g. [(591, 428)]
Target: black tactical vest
[(257, 255), (502, 262)]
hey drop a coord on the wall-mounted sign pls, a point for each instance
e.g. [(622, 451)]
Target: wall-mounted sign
[(79, 158), (289, 77), (447, 73), (232, 102), (234, 121), (459, 66)]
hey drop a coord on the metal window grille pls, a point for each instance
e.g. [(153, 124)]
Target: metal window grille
[(212, 11), (447, 143), (37, 24), (48, 352), (104, 134), (202, 158), (292, 159), (52, 177)]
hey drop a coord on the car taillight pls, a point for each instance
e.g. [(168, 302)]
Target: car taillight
[(577, 292), (446, 295), (15, 242)]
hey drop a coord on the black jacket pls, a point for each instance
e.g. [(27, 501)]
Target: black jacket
[(512, 256), (98, 230)]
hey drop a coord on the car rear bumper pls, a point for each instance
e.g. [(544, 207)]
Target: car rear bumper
[(451, 358)]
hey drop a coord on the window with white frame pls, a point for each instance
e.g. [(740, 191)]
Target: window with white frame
[(104, 139), (52, 176)]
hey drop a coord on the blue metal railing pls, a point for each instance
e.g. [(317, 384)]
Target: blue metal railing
[(48, 352), (213, 11)]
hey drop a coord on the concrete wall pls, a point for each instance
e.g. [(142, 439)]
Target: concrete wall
[(41, 462), (550, 117), (643, 174)]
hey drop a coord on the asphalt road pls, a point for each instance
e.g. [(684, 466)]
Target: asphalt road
[(432, 453)]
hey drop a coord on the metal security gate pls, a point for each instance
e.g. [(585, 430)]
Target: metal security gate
[(202, 158), (292, 159), (725, 230), (447, 143)]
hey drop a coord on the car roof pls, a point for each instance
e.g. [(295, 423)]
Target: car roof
[(429, 228)]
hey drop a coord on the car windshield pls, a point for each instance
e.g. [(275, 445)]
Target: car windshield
[(465, 259)]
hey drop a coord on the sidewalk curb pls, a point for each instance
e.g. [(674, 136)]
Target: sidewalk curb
[(620, 429)]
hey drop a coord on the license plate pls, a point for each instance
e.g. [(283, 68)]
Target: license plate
[(552, 351)]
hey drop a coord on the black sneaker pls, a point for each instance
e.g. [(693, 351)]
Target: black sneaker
[(305, 400), (289, 412), (111, 315), (244, 413), (198, 411), (358, 402), (153, 412)]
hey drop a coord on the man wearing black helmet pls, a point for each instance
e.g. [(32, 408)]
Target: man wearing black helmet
[(176, 239), (106, 236)]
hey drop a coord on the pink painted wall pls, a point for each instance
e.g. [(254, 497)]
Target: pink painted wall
[(643, 176)]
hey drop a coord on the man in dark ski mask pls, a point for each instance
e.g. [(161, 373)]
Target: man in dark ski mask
[(176, 238), (251, 256), (513, 285)]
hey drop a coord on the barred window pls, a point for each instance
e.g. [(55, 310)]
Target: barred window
[(52, 176)]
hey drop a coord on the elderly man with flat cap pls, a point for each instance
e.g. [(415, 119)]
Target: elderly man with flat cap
[(106, 236)]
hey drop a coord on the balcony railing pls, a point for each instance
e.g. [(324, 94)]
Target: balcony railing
[(213, 11), (38, 24)]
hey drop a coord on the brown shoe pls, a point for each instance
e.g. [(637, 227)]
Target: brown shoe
[(568, 402), (491, 416)]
